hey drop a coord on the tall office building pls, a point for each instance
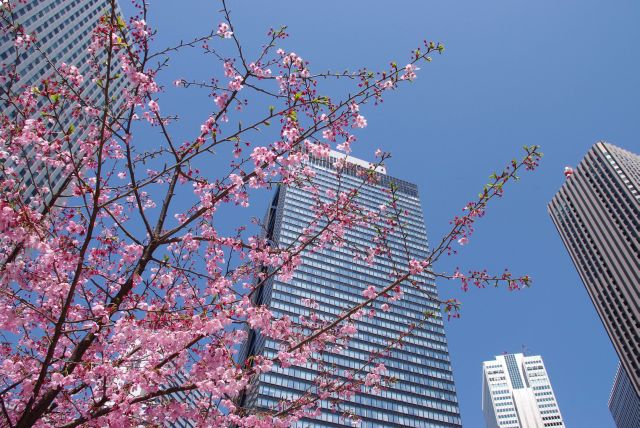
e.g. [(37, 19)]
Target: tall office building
[(62, 30), (597, 213), (517, 393), (424, 394), (624, 403)]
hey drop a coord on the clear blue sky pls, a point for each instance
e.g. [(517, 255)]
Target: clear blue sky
[(562, 74)]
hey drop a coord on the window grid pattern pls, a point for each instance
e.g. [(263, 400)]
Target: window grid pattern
[(514, 373), (624, 402), (527, 400), (424, 394), (63, 33), (597, 214)]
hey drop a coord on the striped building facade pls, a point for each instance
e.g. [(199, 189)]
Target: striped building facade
[(424, 394), (597, 213), (62, 30), (624, 403)]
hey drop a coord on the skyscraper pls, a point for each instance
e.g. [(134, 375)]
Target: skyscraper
[(62, 30), (597, 213), (624, 403), (517, 393), (424, 394)]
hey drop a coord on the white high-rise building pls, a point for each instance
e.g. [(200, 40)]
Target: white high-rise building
[(517, 393)]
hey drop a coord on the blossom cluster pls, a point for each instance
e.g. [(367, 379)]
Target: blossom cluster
[(118, 282)]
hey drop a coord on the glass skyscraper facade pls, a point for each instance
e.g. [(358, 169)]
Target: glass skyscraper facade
[(62, 30), (624, 403), (424, 394)]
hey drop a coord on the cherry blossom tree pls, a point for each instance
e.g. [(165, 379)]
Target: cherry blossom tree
[(116, 294)]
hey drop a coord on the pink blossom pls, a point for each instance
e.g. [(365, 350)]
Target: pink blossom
[(74, 227), (359, 122), (310, 303), (568, 171), (261, 155), (348, 330), (259, 72), (235, 84), (23, 40), (229, 70), (370, 292), (236, 180), (329, 134), (221, 100), (71, 73), (224, 30), (318, 150), (140, 28), (91, 112), (169, 298), (153, 106), (131, 253), (410, 72), (166, 279), (386, 85), (458, 275), (344, 147), (416, 267), (463, 241), (285, 359)]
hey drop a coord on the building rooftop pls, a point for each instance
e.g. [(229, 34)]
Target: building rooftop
[(360, 162)]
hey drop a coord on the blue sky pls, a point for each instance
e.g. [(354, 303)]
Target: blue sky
[(559, 74)]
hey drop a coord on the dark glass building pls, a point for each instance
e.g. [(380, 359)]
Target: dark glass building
[(62, 30), (424, 394), (624, 403), (597, 213)]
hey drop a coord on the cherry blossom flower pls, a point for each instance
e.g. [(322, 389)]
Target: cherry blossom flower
[(360, 122), (370, 292), (223, 30), (410, 72), (153, 106), (126, 271), (235, 84), (23, 40)]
